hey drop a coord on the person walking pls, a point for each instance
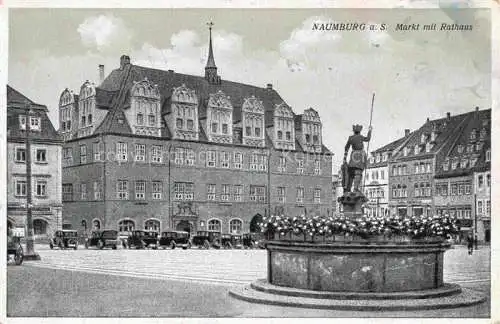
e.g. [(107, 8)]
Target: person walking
[(470, 243)]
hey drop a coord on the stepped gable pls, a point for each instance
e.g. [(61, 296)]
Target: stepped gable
[(16, 103)]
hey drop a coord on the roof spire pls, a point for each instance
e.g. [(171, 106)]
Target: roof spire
[(211, 68)]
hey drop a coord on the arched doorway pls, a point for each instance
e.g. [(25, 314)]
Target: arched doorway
[(254, 223), (152, 225), (185, 226), (40, 227)]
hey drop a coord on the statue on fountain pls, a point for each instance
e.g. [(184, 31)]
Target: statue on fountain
[(352, 171)]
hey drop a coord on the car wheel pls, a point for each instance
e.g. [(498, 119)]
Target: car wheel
[(76, 246), (206, 244), (229, 246), (172, 245), (61, 245), (100, 245), (114, 247), (143, 245), (19, 256), (86, 245), (189, 245), (51, 245)]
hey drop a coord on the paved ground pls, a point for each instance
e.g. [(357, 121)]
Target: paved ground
[(184, 283)]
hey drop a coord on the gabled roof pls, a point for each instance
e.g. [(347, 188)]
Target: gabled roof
[(16, 103), (168, 80)]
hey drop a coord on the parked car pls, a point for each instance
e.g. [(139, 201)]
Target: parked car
[(102, 239), (64, 239), (14, 248), (174, 239), (248, 240), (140, 239), (231, 241), (207, 239)]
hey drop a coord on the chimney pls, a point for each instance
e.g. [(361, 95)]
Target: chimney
[(170, 71), (269, 86), (124, 60), (448, 115), (428, 119), (101, 73), (407, 132)]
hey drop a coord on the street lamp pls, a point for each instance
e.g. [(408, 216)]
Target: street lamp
[(30, 245)]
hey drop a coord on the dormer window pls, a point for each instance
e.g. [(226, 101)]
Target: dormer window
[(446, 165), (428, 147), (423, 138), (257, 131), (433, 136), (377, 159), (405, 151), (460, 148), (140, 119), (280, 135), (479, 146), (288, 136), (473, 134), (179, 123), (308, 138), (214, 127), (385, 157), (190, 124), (416, 150), (224, 129), (463, 163), (470, 148), (454, 164), (473, 161), (152, 120), (482, 135)]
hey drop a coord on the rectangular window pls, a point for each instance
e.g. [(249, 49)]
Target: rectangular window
[(488, 156), (122, 190), (121, 151), (300, 166), (98, 150), (225, 129), (488, 207), (140, 152), (97, 190), (214, 127), (83, 191), (460, 189), (156, 190), (140, 190), (317, 196), (300, 195), (479, 207), (152, 120), (248, 131), (20, 154), (224, 160), (156, 154), (488, 180), (258, 193), (190, 156), (83, 154), (140, 119), (20, 188), (184, 190), (41, 155), (211, 192), (179, 155), (257, 131), (41, 188), (317, 167), (480, 181), (254, 162), (190, 124), (211, 159), (179, 123), (281, 194), (382, 174), (282, 164), (35, 123), (226, 192), (67, 192), (238, 160), (454, 189), (22, 121), (238, 192)]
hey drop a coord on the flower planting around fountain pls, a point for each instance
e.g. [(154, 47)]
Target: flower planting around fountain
[(338, 261)]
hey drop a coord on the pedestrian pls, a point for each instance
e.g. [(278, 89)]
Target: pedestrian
[(475, 241), (470, 243)]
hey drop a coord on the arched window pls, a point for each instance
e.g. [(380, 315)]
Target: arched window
[(214, 225), (280, 135), (152, 225), (235, 226), (126, 225), (96, 224)]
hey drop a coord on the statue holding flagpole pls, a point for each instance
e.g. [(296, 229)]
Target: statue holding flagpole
[(352, 169)]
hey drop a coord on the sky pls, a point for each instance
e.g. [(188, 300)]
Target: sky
[(414, 74)]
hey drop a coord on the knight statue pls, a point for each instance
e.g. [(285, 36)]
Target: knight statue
[(352, 171)]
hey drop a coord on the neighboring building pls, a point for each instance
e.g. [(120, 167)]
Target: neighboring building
[(156, 149), (376, 182), (412, 167), (46, 147), (462, 177)]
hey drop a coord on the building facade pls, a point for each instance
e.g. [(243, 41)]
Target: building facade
[(159, 150), (462, 179), (46, 151)]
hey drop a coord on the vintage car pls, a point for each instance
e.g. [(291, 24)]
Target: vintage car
[(102, 239), (64, 239), (207, 239), (173, 239), (14, 248), (140, 239), (231, 241)]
